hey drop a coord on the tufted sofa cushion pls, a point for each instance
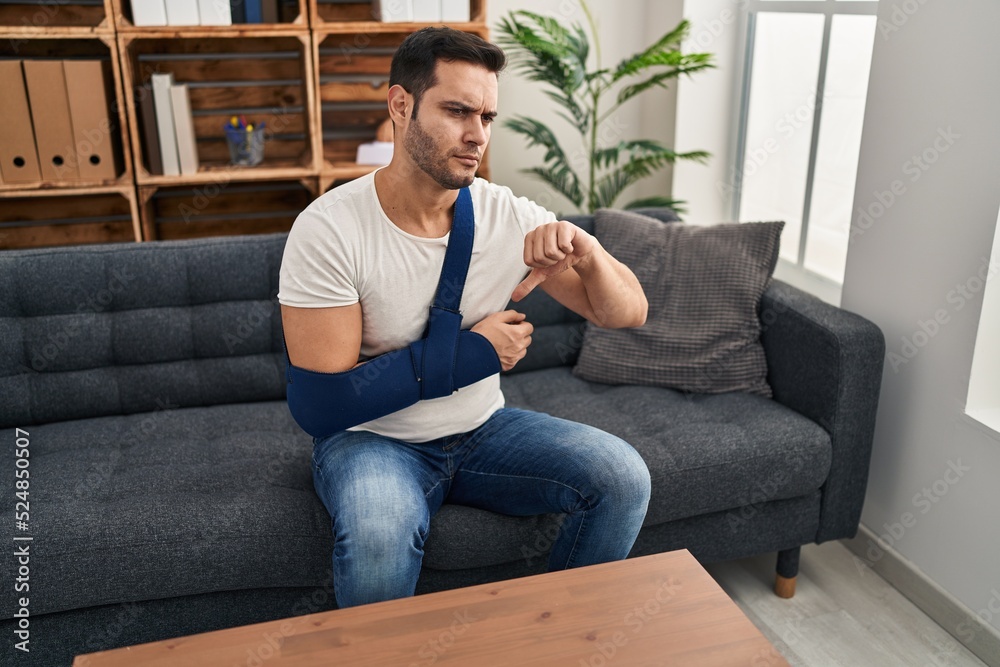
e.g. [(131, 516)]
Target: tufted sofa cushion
[(122, 328), (181, 501)]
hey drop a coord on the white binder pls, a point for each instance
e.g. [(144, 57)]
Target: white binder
[(215, 12), (393, 11), (187, 147), (455, 11), (427, 11), (182, 12), (165, 123), (149, 12)]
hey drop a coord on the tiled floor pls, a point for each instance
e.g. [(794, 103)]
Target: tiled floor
[(842, 614)]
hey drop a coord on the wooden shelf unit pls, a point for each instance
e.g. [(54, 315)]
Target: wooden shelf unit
[(357, 17), (351, 81), (293, 13), (68, 46), (56, 19), (223, 208), (317, 80), (49, 213), (69, 216), (267, 78)]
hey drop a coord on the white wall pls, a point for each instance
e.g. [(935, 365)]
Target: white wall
[(935, 477), (626, 27), (707, 108)]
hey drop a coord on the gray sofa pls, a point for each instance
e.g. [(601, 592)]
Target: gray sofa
[(170, 489)]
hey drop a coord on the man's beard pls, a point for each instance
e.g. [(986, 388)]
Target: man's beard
[(424, 152)]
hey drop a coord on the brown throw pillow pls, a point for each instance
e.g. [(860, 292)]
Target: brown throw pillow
[(703, 284)]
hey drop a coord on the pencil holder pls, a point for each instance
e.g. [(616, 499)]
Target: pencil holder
[(246, 147)]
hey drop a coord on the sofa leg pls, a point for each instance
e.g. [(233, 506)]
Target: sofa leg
[(787, 572)]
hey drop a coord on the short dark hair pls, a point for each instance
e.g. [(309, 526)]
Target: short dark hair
[(415, 60)]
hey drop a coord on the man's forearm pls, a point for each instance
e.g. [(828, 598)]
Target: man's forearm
[(615, 295)]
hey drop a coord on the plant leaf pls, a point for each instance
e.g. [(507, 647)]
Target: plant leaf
[(563, 179), (664, 45), (545, 51), (538, 134), (581, 117), (688, 64), (677, 205), (645, 157), (609, 187), (645, 148)]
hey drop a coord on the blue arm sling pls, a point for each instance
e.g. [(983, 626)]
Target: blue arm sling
[(444, 360)]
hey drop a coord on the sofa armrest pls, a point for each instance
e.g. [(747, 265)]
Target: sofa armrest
[(826, 363)]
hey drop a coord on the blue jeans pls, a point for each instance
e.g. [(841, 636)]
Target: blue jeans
[(381, 494)]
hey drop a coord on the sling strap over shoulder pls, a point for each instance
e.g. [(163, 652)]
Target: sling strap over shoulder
[(444, 360)]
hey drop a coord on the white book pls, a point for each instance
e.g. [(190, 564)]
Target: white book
[(182, 12), (427, 11), (165, 123), (149, 12), (375, 152), (215, 12), (455, 11), (187, 147), (393, 11)]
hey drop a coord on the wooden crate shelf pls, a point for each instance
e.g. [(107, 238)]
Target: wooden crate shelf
[(359, 16), (291, 14), (376, 27), (267, 79), (224, 209), (44, 218), (341, 172), (68, 46), (58, 17), (318, 80), (352, 80)]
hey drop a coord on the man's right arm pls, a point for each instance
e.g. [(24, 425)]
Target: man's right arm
[(325, 340)]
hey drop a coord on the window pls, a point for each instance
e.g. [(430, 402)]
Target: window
[(983, 403), (803, 100)]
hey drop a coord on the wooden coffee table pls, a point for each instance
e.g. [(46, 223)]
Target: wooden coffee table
[(662, 609)]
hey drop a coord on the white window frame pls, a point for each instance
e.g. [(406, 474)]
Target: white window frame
[(795, 273), (982, 403)]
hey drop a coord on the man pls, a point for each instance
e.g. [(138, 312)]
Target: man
[(358, 275)]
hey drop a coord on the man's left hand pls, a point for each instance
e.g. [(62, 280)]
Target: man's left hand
[(549, 250)]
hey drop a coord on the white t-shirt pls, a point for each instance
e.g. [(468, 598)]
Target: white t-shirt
[(343, 249)]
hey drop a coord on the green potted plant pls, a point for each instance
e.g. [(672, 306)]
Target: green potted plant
[(546, 51)]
